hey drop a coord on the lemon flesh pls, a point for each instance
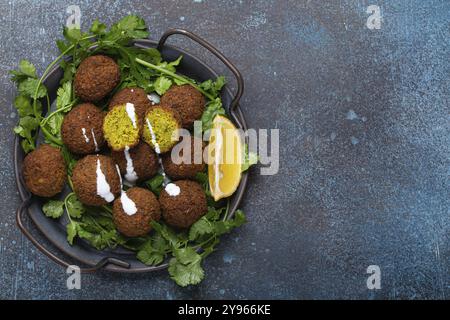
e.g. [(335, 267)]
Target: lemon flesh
[(224, 158)]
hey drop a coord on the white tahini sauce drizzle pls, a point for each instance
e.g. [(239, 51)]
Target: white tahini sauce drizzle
[(128, 205), (120, 176), (153, 135), (83, 130), (129, 107), (218, 152), (154, 98), (103, 188), (130, 174), (157, 151), (95, 140), (172, 189)]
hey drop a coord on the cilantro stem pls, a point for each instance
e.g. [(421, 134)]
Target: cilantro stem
[(65, 204), (69, 180), (225, 216), (174, 75), (44, 120)]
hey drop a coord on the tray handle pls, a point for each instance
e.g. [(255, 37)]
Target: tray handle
[(23, 208), (234, 110)]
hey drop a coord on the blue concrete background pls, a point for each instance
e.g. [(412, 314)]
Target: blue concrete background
[(364, 156)]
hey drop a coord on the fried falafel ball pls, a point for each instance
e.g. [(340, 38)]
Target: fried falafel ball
[(122, 127), (160, 128), (134, 210), (188, 101), (44, 171), (138, 163), (96, 180), (136, 96), (182, 203), (82, 129), (186, 159), (96, 76)]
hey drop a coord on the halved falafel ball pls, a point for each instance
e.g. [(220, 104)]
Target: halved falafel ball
[(96, 180), (82, 129), (186, 159), (182, 203), (138, 163), (122, 127), (134, 210), (96, 76), (44, 171), (160, 128), (188, 101), (136, 96)]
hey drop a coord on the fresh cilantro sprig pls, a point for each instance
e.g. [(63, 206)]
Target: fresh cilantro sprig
[(188, 249)]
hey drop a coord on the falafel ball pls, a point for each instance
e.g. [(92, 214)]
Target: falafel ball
[(122, 127), (96, 180), (136, 96), (44, 171), (134, 210), (138, 163), (188, 101), (186, 159), (183, 203), (160, 128), (96, 76), (82, 129)]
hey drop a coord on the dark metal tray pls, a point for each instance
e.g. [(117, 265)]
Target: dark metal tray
[(119, 259)]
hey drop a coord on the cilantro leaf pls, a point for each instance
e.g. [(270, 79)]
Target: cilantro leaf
[(155, 184), (200, 228), (153, 251), (128, 28), (213, 108), (26, 126), (28, 87), (64, 96), (74, 207), (162, 84), (186, 274), (23, 105), (72, 229), (26, 70), (213, 87), (98, 28), (167, 233), (54, 124), (53, 208)]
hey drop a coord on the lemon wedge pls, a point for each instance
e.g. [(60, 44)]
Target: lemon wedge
[(225, 158)]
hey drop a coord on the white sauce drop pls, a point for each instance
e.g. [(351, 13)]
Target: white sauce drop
[(130, 174), (153, 135), (95, 141), (103, 188), (154, 98), (129, 107), (83, 130), (172, 189), (128, 205)]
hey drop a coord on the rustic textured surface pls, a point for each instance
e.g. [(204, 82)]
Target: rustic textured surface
[(364, 127)]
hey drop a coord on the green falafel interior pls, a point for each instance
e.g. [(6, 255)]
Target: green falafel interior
[(122, 127), (143, 68)]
